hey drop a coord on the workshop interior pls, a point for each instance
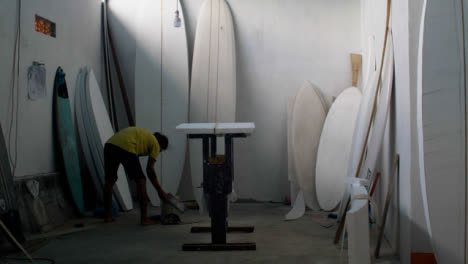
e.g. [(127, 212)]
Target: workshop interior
[(230, 131)]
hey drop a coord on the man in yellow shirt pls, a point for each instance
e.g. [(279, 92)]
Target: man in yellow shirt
[(124, 148)]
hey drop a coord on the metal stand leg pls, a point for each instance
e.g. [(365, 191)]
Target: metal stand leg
[(217, 184)]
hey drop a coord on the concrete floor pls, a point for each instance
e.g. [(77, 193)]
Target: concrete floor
[(300, 241)]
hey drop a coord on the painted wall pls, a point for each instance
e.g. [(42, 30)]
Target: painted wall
[(78, 43), (279, 45)]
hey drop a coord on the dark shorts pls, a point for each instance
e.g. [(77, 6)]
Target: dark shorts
[(114, 156)]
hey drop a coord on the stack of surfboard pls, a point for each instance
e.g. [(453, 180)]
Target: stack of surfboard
[(95, 129), (326, 145)]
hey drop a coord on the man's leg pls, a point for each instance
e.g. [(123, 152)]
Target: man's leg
[(143, 197), (108, 200), (111, 164)]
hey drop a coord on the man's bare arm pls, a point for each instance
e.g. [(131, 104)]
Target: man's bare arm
[(154, 178)]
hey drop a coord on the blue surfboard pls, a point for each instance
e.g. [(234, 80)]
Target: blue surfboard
[(66, 139)]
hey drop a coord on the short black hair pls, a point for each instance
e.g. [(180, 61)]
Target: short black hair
[(162, 140)]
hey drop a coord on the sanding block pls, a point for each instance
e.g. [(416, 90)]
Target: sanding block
[(174, 202)]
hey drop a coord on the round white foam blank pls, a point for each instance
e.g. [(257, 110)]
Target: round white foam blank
[(441, 127), (335, 148), (213, 85), (307, 122)]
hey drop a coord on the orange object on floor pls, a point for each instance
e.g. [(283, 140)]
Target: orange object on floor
[(423, 258)]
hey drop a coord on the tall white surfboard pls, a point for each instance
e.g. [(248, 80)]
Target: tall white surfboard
[(308, 117), (335, 148), (161, 86), (441, 123), (213, 86)]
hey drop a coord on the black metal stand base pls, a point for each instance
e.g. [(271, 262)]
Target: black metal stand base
[(232, 229), (219, 247), (217, 184)]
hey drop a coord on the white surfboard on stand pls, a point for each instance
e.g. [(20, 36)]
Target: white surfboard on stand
[(335, 148), (213, 86), (161, 86), (441, 121)]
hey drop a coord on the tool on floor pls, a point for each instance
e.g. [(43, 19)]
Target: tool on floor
[(15, 241), (170, 214), (174, 202), (218, 173)]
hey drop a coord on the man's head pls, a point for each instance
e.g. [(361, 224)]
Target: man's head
[(162, 140)]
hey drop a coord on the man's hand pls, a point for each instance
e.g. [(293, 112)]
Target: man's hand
[(163, 195), (154, 179)]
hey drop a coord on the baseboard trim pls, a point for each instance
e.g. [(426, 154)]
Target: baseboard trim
[(35, 176)]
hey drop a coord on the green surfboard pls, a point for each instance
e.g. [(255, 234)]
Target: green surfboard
[(66, 139)]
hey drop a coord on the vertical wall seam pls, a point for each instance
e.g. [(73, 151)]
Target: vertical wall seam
[(464, 115), (209, 62), (161, 85)]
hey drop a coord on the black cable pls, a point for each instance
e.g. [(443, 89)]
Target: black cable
[(15, 83)]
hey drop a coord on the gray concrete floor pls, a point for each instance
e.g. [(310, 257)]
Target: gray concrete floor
[(124, 241)]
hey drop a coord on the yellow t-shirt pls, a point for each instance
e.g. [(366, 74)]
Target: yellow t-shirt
[(136, 140)]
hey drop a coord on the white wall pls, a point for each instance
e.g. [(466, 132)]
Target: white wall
[(279, 45), (78, 43)]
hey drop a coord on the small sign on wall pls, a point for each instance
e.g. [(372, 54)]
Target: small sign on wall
[(44, 26)]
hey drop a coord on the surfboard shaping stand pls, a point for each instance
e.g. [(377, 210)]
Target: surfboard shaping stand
[(218, 172)]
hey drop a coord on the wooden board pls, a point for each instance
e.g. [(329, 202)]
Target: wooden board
[(213, 84), (65, 136), (162, 86), (101, 131), (335, 148), (441, 121), (308, 117)]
